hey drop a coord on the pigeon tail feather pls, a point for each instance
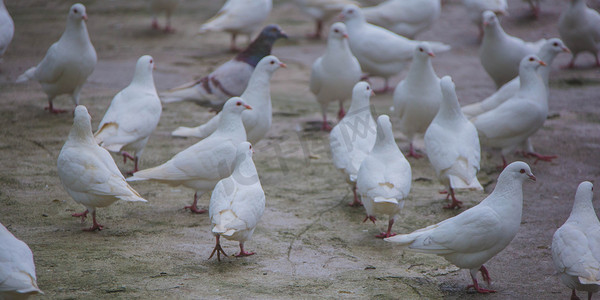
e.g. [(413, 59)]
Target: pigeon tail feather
[(183, 131), (459, 183), (29, 74), (385, 200)]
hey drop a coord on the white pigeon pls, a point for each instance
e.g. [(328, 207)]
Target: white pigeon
[(417, 98), (132, 115), (547, 53), (334, 74), (473, 237), (237, 203), (321, 11), (379, 51), (404, 17), (475, 9), (17, 269), (452, 145), (501, 53), (203, 164), (257, 121), (229, 79), (238, 17), (576, 245), (579, 28), (88, 172), (68, 62), (163, 6), (512, 122), (384, 177), (353, 137), (7, 28)]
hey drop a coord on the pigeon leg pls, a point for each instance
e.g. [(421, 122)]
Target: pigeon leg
[(389, 232), (83, 215), (53, 110), (356, 202), (218, 250), (325, 126), (455, 203), (126, 156), (597, 61), (318, 29), (372, 218), (341, 112), (95, 224), (168, 28), (232, 46), (571, 64), (242, 252), (574, 296), (503, 165), (412, 152), (194, 208), (475, 285), (386, 86), (539, 157), (154, 23)]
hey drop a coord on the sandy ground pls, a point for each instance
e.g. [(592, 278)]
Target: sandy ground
[(309, 244)]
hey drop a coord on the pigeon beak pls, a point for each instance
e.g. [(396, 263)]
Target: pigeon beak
[(372, 93), (542, 63), (84, 17), (485, 23), (282, 65), (283, 34), (565, 49), (531, 177), (345, 35), (431, 54), (247, 106)]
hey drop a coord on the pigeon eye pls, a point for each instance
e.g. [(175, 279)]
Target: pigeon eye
[(555, 44), (421, 49), (75, 10), (250, 147), (151, 61), (238, 103), (336, 31), (272, 62), (531, 59), (522, 171), (368, 88)]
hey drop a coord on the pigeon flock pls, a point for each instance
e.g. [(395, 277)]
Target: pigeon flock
[(361, 43)]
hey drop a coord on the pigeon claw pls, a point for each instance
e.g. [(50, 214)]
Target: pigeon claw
[(372, 218), (217, 250), (455, 204), (539, 157), (244, 253), (384, 235), (480, 290), (55, 110), (83, 215), (94, 227), (355, 203), (193, 208)]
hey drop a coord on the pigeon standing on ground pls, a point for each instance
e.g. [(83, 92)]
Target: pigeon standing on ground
[(379, 51), (17, 269), (473, 237), (547, 53), (7, 28), (237, 203), (88, 172), (321, 11), (231, 78), (417, 98), (163, 6), (475, 9), (132, 115), (501, 53), (238, 17), (68, 62), (257, 121), (404, 17), (384, 177), (353, 137), (535, 7), (452, 145), (203, 164), (514, 121), (335, 73), (576, 245), (579, 28)]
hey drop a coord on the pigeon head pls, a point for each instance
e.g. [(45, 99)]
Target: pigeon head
[(145, 62), (352, 13), (518, 170), (489, 19), (531, 62), (361, 93), (77, 12), (270, 63), (384, 131), (423, 50), (585, 190), (143, 70), (262, 45), (448, 87), (82, 124), (554, 45), (338, 31), (245, 149), (235, 105)]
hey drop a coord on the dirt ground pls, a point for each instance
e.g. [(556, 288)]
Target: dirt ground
[(309, 243)]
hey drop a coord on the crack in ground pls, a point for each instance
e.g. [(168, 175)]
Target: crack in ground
[(308, 227), (40, 145)]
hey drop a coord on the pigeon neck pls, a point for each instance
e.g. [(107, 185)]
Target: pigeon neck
[(76, 31), (384, 142), (337, 47), (230, 124), (531, 82), (583, 210), (359, 106), (450, 109), (507, 194), (421, 71), (547, 56), (143, 78), (245, 171), (493, 32), (258, 49), (82, 132), (258, 91)]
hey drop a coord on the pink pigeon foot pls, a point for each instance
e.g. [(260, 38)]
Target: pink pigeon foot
[(325, 126), (169, 29), (389, 232), (194, 207), (53, 110), (574, 296), (341, 112), (455, 203), (218, 250), (155, 25), (539, 157), (372, 218), (356, 202), (242, 252), (486, 278), (318, 29), (413, 153), (95, 225), (83, 215)]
